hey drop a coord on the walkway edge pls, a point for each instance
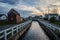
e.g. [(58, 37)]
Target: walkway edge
[(19, 34), (49, 32)]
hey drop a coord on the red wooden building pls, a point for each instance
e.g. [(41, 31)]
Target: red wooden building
[(14, 16)]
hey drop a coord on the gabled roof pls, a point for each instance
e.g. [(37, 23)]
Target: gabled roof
[(14, 11), (2, 15)]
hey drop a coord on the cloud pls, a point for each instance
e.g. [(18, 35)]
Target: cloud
[(27, 8), (31, 6), (4, 8), (5, 5), (27, 2), (9, 1)]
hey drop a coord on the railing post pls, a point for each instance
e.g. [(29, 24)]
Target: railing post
[(59, 30), (5, 34), (17, 28), (12, 31)]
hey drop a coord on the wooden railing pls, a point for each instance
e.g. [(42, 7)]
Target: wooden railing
[(51, 26), (7, 33), (50, 30)]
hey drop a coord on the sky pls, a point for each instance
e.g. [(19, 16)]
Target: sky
[(25, 7)]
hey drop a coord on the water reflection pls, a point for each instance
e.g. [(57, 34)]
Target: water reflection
[(35, 33)]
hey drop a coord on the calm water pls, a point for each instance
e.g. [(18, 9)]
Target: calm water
[(35, 33)]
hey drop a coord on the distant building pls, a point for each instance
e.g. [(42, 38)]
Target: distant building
[(46, 16), (41, 16), (58, 18), (14, 16), (51, 15), (3, 17)]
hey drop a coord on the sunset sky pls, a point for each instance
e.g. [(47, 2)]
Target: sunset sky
[(28, 7)]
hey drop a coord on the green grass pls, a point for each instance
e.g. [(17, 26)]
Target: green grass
[(3, 22), (57, 23)]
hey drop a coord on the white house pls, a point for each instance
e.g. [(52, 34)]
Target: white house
[(58, 18), (51, 15), (3, 17)]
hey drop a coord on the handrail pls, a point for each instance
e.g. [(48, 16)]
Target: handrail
[(51, 26), (11, 31), (48, 31)]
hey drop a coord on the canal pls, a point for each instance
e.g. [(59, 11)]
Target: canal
[(35, 33)]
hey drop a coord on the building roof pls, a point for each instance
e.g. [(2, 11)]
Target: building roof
[(14, 11), (51, 14), (2, 15)]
